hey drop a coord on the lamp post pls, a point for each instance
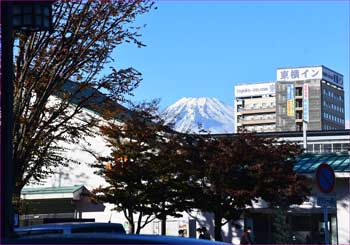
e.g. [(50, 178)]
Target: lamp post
[(305, 135), (26, 17)]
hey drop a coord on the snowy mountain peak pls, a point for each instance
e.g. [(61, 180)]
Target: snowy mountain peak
[(194, 114)]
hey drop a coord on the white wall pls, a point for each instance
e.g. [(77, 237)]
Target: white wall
[(343, 210)]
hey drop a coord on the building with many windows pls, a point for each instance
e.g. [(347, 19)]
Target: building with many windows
[(255, 107), (312, 95)]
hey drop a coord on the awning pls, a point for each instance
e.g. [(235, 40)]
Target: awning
[(67, 192), (308, 163)]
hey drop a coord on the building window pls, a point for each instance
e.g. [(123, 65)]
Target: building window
[(310, 148), (317, 148), (299, 115), (327, 147), (336, 147), (346, 147), (299, 91), (299, 103), (299, 127)]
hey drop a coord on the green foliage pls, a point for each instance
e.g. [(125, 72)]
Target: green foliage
[(281, 231)]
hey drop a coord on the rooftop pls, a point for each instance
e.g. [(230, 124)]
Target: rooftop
[(51, 190)]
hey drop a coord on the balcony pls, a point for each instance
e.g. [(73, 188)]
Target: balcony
[(258, 110), (257, 121)]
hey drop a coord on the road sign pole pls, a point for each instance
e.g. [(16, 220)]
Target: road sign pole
[(325, 180), (326, 234)]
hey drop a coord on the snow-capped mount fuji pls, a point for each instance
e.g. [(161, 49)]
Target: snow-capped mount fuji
[(194, 114)]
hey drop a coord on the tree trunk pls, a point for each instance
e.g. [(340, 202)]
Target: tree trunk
[(217, 228), (16, 200), (163, 220), (130, 219), (163, 226), (138, 229), (131, 228)]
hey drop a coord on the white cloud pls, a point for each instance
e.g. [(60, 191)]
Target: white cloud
[(347, 124)]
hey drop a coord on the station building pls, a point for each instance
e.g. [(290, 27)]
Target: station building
[(66, 192)]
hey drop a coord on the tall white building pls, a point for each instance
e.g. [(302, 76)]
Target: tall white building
[(255, 107)]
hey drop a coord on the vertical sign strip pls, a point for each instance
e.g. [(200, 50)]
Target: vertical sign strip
[(290, 100), (306, 102)]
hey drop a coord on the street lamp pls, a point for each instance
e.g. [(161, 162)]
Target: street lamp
[(27, 17), (305, 122)]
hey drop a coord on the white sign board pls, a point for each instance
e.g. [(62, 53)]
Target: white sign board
[(309, 73), (257, 89), (297, 74), (327, 201)]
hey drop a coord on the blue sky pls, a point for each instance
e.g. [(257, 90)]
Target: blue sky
[(204, 48)]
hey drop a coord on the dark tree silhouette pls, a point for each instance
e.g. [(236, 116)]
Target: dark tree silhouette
[(236, 171), (57, 75), (146, 170)]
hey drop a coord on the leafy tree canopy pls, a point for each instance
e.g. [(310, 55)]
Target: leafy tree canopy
[(146, 170), (57, 74), (238, 170)]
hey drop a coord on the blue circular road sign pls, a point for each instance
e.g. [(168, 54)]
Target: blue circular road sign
[(325, 178)]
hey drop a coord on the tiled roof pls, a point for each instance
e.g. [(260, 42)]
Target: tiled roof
[(308, 163)]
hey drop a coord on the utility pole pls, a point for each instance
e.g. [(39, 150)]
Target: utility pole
[(305, 135), (7, 169), (39, 18)]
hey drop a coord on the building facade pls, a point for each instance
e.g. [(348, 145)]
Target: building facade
[(312, 95), (65, 188), (255, 107)]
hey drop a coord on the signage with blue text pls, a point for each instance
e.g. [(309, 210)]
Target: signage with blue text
[(309, 73), (328, 201), (290, 100), (256, 89)]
